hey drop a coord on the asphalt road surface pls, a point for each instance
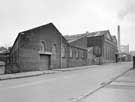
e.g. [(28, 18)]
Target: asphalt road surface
[(61, 86)]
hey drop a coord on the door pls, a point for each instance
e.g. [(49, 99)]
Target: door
[(44, 62)]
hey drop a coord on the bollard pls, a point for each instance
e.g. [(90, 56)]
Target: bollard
[(133, 62)]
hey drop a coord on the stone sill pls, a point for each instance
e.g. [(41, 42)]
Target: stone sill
[(45, 53)]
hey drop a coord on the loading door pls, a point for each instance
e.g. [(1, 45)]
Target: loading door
[(44, 62)]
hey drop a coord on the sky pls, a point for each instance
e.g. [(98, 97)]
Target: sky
[(69, 16)]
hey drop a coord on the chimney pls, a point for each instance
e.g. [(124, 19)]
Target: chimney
[(118, 35)]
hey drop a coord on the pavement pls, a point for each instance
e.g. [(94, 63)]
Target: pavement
[(120, 90), (38, 73), (63, 86), (25, 74)]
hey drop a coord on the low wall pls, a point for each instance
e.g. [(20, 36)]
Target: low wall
[(2, 68)]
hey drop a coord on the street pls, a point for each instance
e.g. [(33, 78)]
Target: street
[(59, 87)]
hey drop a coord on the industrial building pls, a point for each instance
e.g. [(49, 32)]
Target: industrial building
[(43, 48), (101, 46)]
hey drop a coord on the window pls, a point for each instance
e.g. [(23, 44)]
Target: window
[(42, 46), (14, 55), (12, 58), (71, 55), (83, 54), (107, 53), (77, 53), (63, 51)]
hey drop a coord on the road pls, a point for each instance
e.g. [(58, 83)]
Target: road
[(61, 86)]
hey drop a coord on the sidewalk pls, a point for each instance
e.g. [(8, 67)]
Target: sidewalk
[(25, 74), (120, 90), (38, 73), (91, 93)]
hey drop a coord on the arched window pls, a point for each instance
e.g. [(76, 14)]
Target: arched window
[(42, 46)]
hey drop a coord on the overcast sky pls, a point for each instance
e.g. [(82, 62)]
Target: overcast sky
[(69, 16)]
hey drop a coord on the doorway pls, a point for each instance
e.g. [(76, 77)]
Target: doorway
[(44, 62)]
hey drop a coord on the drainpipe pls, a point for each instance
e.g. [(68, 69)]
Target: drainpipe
[(61, 52)]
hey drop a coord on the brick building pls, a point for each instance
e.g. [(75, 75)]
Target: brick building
[(80, 40), (101, 46), (105, 45), (43, 48), (79, 43)]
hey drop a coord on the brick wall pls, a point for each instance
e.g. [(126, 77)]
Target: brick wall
[(30, 48), (110, 49), (77, 60)]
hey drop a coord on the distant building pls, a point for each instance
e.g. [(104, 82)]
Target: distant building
[(104, 44), (132, 53), (125, 57), (124, 54), (101, 46), (44, 48), (124, 48)]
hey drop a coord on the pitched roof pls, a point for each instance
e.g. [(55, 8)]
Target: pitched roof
[(72, 38), (97, 33), (39, 27)]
